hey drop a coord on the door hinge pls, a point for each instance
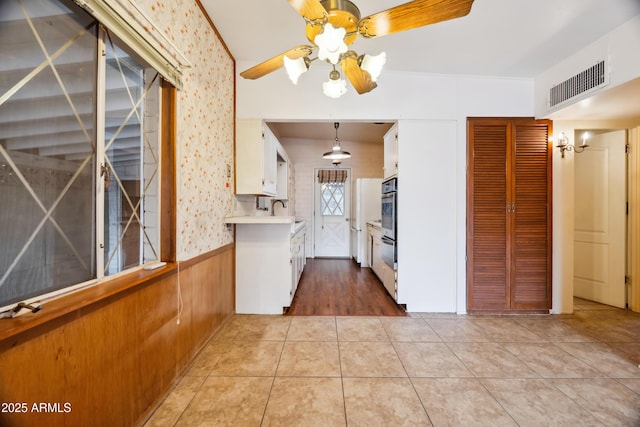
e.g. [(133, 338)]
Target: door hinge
[(627, 279), (627, 149)]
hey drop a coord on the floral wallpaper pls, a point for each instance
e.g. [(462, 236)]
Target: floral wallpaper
[(205, 127)]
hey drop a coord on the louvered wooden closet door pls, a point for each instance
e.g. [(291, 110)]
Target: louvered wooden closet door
[(487, 253), (531, 277), (508, 215)]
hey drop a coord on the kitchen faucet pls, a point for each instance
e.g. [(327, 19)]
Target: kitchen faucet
[(273, 204)]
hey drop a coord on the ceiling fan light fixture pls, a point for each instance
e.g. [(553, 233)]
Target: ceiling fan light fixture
[(373, 64), (334, 88), (331, 43), (296, 67)]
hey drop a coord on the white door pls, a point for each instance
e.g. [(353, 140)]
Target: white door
[(600, 220), (331, 218)]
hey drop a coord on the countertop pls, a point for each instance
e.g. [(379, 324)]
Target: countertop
[(266, 220)]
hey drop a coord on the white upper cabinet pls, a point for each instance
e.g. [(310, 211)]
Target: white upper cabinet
[(283, 174), (256, 158), (391, 152)]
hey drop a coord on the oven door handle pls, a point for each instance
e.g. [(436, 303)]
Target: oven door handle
[(388, 241)]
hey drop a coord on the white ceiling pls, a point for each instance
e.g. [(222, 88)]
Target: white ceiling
[(505, 38), (325, 131)]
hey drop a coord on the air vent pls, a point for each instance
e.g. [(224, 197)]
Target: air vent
[(588, 79)]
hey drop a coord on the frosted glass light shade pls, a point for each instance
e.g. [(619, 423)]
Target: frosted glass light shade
[(334, 88), (295, 68), (373, 64), (331, 43)]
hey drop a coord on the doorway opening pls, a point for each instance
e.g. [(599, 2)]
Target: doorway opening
[(601, 233)]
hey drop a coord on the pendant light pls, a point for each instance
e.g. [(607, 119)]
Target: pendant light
[(336, 152)]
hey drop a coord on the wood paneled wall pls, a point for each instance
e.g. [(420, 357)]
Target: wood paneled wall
[(110, 363)]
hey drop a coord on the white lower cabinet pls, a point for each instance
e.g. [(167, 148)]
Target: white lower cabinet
[(269, 262), (298, 259), (386, 274)]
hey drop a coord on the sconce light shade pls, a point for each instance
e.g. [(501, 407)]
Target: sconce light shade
[(585, 137), (296, 67), (373, 64)]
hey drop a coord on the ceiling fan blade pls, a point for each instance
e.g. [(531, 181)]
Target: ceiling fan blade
[(275, 63), (359, 78), (311, 10), (413, 14)]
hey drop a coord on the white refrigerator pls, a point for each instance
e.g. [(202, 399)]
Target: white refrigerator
[(365, 206)]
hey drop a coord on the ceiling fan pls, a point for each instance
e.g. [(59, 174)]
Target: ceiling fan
[(332, 25)]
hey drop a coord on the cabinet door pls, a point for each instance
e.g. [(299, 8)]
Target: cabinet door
[(369, 250), (389, 281), (508, 215), (256, 155), (531, 216), (376, 258), (391, 152), (270, 164), (487, 256)]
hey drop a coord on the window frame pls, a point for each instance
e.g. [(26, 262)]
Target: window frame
[(166, 179)]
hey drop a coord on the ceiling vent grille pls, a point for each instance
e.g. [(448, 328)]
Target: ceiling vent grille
[(585, 81)]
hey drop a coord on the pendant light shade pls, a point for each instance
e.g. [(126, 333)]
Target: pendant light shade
[(336, 152)]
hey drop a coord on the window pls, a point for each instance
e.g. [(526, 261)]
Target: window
[(332, 200), (79, 152), (332, 191)]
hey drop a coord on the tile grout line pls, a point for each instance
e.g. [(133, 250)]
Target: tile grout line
[(275, 373), (344, 399)]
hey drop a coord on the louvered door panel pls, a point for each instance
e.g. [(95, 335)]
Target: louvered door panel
[(508, 215), (530, 279), (487, 221)]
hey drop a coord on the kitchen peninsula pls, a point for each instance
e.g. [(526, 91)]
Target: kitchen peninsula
[(270, 258)]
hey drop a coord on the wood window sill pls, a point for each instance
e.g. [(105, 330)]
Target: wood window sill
[(75, 301)]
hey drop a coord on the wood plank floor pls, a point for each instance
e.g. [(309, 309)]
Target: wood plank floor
[(339, 287)]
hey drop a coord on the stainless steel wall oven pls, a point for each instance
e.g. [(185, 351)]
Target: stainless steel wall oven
[(390, 221)]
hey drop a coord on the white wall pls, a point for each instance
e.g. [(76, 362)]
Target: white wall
[(427, 185), (619, 48), (435, 104)]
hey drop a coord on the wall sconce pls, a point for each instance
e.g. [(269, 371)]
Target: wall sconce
[(564, 145)]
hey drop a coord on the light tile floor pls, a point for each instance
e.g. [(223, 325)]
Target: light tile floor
[(425, 369)]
